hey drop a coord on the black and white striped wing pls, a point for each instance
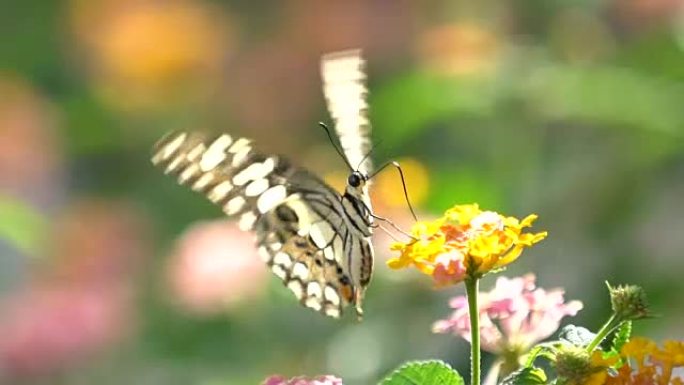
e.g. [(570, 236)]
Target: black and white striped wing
[(303, 232), (344, 88)]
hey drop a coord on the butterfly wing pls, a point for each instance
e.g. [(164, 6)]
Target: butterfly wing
[(303, 232), (344, 88), (345, 92)]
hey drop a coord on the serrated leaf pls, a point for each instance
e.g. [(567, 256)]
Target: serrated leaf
[(424, 373), (526, 376), (621, 336), (577, 335)]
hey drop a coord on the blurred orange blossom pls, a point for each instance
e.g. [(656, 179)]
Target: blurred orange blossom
[(644, 362), (463, 49), (142, 53)]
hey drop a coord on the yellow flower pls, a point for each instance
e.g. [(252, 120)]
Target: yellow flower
[(465, 242), (599, 368), (646, 363), (387, 192), (638, 348), (674, 351)]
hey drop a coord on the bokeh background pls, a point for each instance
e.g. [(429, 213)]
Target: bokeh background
[(112, 274)]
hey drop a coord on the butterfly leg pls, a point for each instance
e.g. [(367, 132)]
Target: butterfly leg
[(394, 226)]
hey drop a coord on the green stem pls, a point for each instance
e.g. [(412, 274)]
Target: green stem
[(605, 329), (471, 285)]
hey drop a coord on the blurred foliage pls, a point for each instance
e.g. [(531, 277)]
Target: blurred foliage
[(22, 226), (570, 111)]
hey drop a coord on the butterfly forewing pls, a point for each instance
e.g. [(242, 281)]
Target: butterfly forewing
[(344, 88), (303, 231)]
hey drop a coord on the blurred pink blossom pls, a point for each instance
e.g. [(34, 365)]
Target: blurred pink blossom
[(644, 15), (261, 89), (80, 300), (306, 25), (215, 266), (98, 242), (513, 316), (321, 380), (30, 160), (46, 328)]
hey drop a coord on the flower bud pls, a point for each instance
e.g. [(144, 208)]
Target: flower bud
[(573, 362), (629, 302)]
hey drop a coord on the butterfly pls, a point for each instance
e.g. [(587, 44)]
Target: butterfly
[(316, 240)]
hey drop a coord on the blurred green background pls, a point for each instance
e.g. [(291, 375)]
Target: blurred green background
[(111, 274)]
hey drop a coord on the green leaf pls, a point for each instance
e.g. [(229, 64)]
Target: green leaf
[(526, 376), (547, 350), (21, 226), (621, 336), (424, 373)]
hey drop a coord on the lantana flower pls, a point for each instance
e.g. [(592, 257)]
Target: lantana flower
[(464, 242), (514, 315), (597, 371), (640, 362), (649, 364), (321, 380)]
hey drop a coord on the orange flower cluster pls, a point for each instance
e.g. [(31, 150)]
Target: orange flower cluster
[(465, 242), (645, 364)]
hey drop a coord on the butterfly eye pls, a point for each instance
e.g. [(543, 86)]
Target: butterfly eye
[(354, 180)]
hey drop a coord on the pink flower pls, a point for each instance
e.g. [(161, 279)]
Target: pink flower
[(449, 268), (47, 328), (321, 380), (30, 160), (513, 316), (215, 266), (83, 302)]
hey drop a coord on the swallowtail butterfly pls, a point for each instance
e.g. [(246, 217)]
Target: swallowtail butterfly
[(316, 240)]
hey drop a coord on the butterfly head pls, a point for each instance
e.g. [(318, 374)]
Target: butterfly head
[(357, 179), (357, 192)]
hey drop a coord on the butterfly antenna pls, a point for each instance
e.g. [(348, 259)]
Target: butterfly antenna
[(403, 184), (339, 150)]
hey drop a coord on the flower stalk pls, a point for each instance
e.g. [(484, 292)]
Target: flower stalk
[(463, 245), (629, 304), (471, 285), (611, 324)]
